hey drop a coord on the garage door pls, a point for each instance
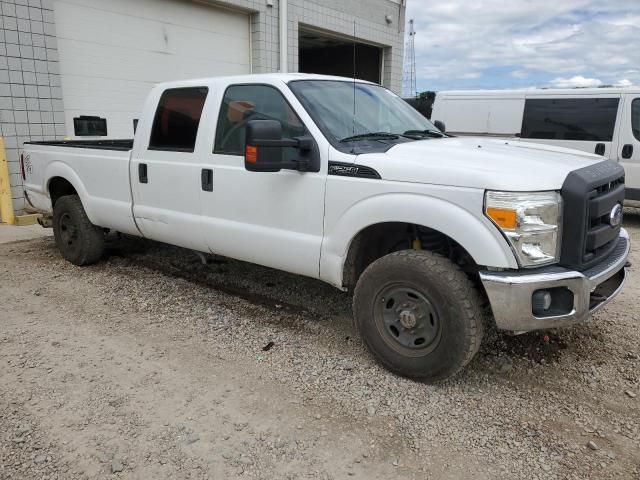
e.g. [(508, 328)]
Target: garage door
[(112, 53)]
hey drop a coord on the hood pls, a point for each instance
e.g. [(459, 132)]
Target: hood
[(478, 162)]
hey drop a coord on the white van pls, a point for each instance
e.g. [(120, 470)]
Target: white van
[(605, 121)]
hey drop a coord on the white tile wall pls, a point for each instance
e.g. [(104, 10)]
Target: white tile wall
[(30, 93)]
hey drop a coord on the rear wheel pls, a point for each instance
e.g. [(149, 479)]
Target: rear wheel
[(418, 314), (79, 241)]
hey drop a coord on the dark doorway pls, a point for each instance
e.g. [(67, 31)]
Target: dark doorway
[(327, 55)]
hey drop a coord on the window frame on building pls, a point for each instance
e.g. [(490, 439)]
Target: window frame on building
[(89, 126)]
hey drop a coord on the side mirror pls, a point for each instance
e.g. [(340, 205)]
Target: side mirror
[(440, 126), (264, 149)]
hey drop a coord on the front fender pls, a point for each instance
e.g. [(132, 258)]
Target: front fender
[(470, 228)]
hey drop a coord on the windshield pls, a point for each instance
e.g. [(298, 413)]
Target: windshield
[(377, 110)]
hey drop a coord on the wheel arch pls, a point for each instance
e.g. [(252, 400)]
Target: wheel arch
[(58, 187), (475, 236), (380, 239), (63, 180)]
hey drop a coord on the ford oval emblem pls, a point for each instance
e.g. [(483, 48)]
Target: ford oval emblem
[(615, 217)]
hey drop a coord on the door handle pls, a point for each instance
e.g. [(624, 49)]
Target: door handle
[(627, 151), (142, 173), (206, 179), (600, 149)]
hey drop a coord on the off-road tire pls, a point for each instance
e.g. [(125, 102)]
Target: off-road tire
[(79, 241), (450, 293)]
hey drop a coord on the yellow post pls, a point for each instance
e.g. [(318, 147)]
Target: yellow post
[(6, 203)]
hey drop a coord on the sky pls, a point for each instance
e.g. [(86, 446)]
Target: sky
[(496, 44)]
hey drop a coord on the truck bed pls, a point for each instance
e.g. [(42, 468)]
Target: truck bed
[(119, 145), (103, 166)]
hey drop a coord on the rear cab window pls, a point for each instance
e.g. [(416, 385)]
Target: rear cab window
[(582, 119), (176, 121)]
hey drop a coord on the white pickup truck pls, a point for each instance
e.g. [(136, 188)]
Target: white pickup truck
[(342, 181)]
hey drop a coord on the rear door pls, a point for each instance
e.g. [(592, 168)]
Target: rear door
[(165, 174), (629, 145), (584, 123)]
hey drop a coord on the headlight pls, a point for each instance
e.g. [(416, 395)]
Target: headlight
[(531, 221)]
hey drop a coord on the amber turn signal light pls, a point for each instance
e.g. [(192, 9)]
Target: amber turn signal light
[(503, 217), (251, 154)]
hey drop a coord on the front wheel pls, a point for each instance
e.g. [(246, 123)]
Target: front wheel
[(418, 314), (79, 241)]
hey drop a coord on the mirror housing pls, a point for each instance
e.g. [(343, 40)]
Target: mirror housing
[(264, 149), (440, 126)]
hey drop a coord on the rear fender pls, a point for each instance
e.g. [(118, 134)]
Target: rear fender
[(60, 169)]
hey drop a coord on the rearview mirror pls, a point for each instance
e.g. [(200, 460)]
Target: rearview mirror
[(440, 126), (265, 149)]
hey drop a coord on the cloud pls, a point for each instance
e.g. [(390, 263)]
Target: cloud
[(497, 44), (575, 82), (625, 82)]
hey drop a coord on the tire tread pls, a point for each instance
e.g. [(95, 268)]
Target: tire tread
[(92, 236), (461, 287)]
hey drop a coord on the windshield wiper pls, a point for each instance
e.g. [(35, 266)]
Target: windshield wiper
[(425, 133), (364, 136)]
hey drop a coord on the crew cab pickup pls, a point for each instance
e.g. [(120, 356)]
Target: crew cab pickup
[(342, 181)]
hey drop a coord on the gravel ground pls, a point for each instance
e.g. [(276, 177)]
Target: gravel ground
[(154, 365)]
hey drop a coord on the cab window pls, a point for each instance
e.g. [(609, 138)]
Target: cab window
[(175, 124), (242, 103)]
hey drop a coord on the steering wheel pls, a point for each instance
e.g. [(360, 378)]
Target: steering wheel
[(229, 134)]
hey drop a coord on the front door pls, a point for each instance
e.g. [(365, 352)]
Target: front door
[(165, 175), (272, 219), (629, 146)]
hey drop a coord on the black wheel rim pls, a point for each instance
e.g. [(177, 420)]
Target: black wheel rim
[(68, 231), (407, 320)]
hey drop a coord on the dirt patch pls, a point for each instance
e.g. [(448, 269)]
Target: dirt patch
[(152, 364)]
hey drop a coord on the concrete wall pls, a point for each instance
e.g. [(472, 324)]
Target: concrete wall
[(31, 106)]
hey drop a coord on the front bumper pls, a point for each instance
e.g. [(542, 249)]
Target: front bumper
[(511, 292)]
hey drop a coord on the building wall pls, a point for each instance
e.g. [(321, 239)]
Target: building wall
[(31, 103), (31, 106), (370, 26), (336, 16)]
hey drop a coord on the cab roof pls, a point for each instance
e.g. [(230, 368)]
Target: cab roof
[(254, 78)]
